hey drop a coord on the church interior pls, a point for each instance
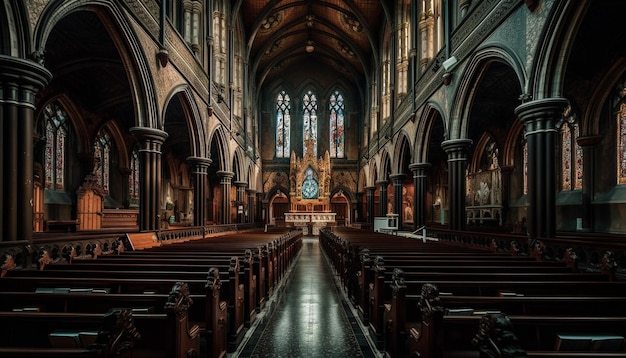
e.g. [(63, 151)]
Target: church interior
[(437, 178)]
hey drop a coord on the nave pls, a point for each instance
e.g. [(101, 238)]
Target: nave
[(309, 316)]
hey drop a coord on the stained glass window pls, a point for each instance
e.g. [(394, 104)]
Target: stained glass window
[(337, 137), (525, 160), (283, 119), (57, 132), (310, 188), (133, 178), (102, 158), (571, 154), (621, 143), (309, 125)]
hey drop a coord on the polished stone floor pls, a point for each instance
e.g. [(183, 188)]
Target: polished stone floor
[(310, 317)]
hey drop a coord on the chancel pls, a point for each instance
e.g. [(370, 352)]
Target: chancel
[(309, 179)]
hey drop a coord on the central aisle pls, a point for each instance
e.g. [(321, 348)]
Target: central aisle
[(310, 317)]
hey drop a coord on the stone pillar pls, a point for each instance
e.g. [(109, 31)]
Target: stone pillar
[(251, 200), (382, 197), (539, 117), (588, 145), (20, 80), (240, 200), (457, 150), (419, 193), (369, 195), (260, 207), (199, 172), (225, 179), (358, 212), (150, 142), (397, 180)]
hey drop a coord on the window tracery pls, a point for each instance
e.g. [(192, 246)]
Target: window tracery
[(337, 134), (309, 121), (57, 133), (283, 122)]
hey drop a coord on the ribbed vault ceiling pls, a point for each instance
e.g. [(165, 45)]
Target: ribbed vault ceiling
[(343, 34)]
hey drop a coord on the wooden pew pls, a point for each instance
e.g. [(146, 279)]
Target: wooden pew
[(99, 276), (402, 311), (449, 268), (252, 271), (216, 305), (162, 335)]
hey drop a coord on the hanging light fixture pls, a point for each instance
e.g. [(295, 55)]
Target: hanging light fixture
[(309, 46)]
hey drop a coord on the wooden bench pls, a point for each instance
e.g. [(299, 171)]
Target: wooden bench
[(224, 294), (149, 334), (388, 299), (151, 267)]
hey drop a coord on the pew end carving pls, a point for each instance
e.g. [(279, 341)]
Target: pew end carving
[(495, 338), (187, 342)]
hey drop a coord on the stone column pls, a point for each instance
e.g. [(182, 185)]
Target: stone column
[(419, 193), (539, 117), (397, 196), (588, 145), (358, 213), (150, 142), (199, 172), (20, 80), (240, 200), (225, 180), (259, 208), (382, 197), (457, 150), (251, 200), (369, 195)]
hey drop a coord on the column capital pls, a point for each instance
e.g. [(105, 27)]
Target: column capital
[(416, 167), (541, 109), (23, 72), (225, 174), (199, 161), (397, 177), (370, 188), (147, 133), (455, 145), (381, 182), (251, 191), (240, 184)]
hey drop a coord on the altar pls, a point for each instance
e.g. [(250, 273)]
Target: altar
[(310, 223), (309, 191)]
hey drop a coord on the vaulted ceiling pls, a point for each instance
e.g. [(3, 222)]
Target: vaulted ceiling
[(343, 35)]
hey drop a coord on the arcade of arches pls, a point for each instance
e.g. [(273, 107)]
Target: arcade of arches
[(146, 115)]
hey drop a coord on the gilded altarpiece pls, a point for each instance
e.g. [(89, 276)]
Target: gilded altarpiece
[(309, 190)]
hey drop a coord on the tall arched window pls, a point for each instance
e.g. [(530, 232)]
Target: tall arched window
[(309, 122), (133, 178), (102, 158), (621, 144), (283, 120), (337, 135), (57, 134), (571, 153), (525, 165)]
